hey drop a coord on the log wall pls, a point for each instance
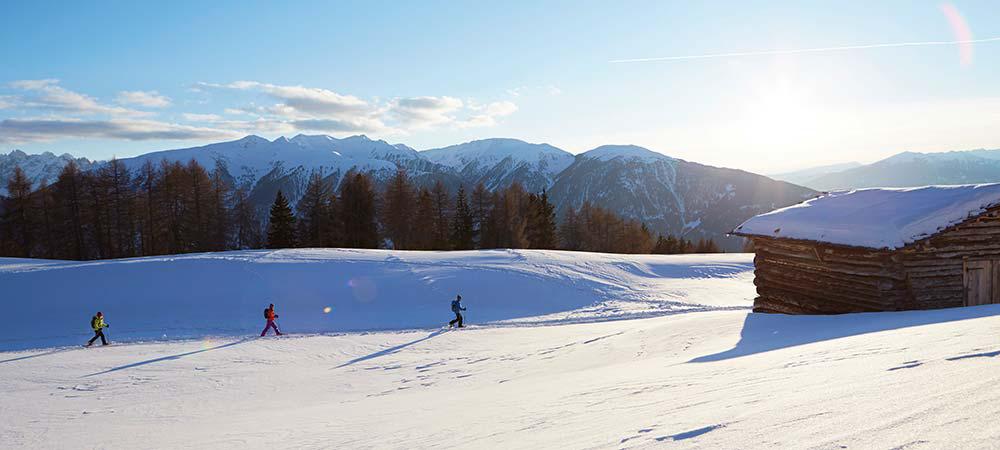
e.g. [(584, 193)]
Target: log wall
[(804, 277)]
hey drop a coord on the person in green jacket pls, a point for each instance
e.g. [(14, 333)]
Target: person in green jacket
[(97, 323)]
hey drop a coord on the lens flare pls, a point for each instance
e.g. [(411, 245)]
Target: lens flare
[(327, 310), (960, 28), (362, 288)]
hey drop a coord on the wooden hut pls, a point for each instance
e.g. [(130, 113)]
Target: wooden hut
[(879, 250)]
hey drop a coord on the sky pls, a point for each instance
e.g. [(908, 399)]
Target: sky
[(763, 86)]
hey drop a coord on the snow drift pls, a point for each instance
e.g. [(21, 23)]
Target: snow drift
[(186, 296)]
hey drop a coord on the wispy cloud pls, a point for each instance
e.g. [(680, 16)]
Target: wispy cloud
[(804, 50), (149, 99), (44, 129), (49, 112), (47, 95)]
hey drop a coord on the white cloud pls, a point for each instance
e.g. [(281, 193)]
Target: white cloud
[(62, 113), (149, 99), (487, 115), (49, 96), (301, 99), (424, 112), (48, 129)]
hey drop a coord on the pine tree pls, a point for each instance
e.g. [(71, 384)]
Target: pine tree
[(314, 214), (570, 233), (357, 202), (542, 222), (462, 223), (423, 221), (397, 213), (281, 229), (440, 211), (480, 213)]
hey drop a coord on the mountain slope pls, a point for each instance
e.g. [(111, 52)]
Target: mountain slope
[(498, 163), (918, 169), (803, 177), (286, 164), (671, 195), (45, 166)]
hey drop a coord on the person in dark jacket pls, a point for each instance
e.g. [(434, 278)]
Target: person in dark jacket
[(270, 316), (98, 325), (456, 307)]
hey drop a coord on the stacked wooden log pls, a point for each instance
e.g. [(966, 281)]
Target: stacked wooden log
[(807, 277)]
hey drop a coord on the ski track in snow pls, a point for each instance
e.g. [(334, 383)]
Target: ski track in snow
[(715, 377)]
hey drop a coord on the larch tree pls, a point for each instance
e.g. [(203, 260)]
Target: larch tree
[(462, 223)]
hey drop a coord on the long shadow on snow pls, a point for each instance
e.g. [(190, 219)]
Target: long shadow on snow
[(390, 350), (765, 332), (60, 350), (171, 357)]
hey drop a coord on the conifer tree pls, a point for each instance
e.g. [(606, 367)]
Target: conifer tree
[(246, 225), (462, 223), (314, 214), (18, 213), (357, 208), (281, 228), (68, 199), (480, 206), (542, 222), (440, 211), (398, 209), (570, 233), (423, 221)]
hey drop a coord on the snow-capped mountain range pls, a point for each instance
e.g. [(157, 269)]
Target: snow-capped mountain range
[(669, 195), (38, 168), (915, 169)]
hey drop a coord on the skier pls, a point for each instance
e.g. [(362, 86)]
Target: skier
[(98, 325), (456, 307), (270, 316)]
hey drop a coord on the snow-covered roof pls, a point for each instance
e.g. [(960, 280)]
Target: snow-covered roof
[(875, 218)]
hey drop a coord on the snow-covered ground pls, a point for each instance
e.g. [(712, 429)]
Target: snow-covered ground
[(695, 375), (221, 294)]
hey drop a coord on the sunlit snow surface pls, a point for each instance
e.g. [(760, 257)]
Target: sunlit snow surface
[(694, 376)]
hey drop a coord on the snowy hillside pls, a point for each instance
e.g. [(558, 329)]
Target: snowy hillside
[(45, 166), (225, 293), (702, 379), (497, 163)]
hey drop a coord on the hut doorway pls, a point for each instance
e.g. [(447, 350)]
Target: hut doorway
[(982, 282)]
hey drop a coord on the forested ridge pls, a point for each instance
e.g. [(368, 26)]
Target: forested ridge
[(173, 208)]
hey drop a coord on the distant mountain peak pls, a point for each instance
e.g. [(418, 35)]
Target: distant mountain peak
[(609, 152)]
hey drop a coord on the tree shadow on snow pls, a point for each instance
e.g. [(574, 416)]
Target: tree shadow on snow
[(766, 332), (390, 350), (171, 357), (35, 355), (975, 355)]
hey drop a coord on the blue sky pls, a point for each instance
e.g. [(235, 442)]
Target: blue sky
[(98, 79)]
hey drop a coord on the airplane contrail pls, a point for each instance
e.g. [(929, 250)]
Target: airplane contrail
[(803, 50)]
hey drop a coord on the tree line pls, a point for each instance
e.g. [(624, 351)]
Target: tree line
[(173, 208)]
